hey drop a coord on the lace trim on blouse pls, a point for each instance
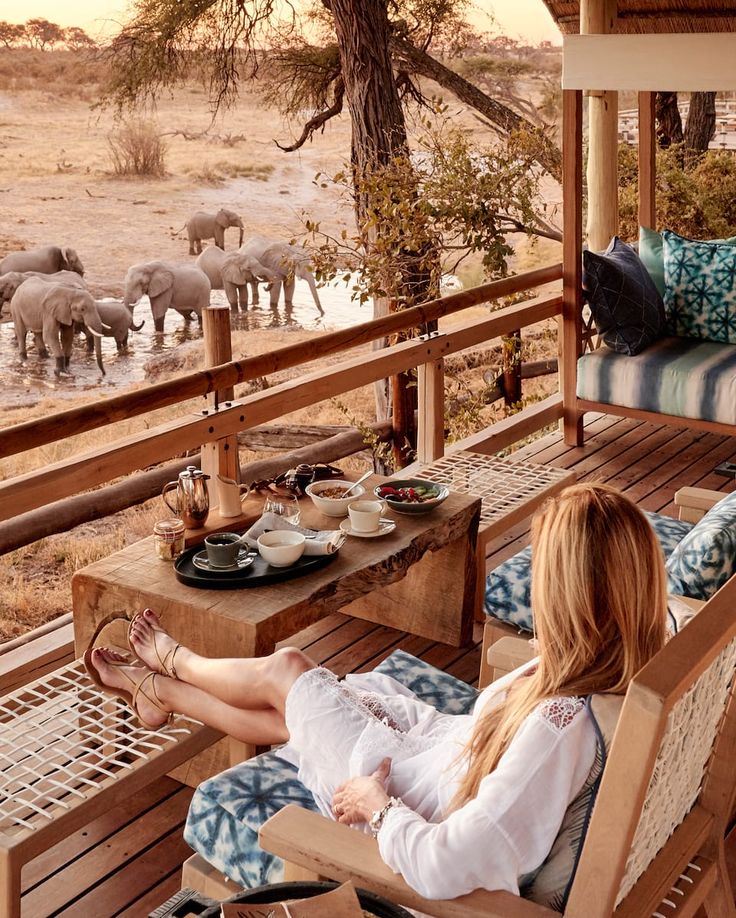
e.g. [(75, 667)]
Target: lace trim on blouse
[(362, 701), (558, 713)]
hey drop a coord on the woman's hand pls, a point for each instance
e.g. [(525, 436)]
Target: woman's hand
[(358, 799)]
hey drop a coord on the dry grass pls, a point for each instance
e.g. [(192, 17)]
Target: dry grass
[(137, 148)]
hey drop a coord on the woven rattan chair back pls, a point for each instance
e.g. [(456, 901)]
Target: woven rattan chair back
[(669, 784)]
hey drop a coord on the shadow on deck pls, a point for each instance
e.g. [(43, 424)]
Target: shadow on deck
[(128, 862)]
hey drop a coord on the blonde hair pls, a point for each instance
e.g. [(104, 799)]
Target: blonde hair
[(599, 597)]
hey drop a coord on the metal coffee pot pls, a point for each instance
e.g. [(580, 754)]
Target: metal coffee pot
[(192, 498)]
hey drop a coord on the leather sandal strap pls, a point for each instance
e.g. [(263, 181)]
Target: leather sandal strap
[(155, 700)]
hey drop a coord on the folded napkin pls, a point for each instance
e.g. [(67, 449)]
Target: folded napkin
[(319, 542)]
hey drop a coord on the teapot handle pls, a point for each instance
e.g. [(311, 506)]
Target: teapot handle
[(168, 487)]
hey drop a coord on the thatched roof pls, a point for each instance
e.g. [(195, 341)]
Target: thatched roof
[(655, 15)]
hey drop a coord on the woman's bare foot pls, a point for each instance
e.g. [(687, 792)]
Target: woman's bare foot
[(117, 672), (154, 646)]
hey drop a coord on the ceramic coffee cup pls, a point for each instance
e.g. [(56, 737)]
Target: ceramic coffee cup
[(365, 515), (223, 548)]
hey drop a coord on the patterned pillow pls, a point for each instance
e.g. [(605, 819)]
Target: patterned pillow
[(624, 302), (706, 558), (509, 586), (652, 255), (700, 295)]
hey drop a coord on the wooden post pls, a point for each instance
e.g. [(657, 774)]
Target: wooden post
[(221, 456), (599, 17), (572, 268), (431, 395), (511, 373), (647, 161)]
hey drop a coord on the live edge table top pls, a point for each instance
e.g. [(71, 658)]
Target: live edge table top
[(419, 578)]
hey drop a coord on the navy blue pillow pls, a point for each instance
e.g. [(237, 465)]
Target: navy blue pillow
[(625, 304)]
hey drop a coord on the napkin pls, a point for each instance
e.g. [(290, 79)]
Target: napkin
[(319, 542)]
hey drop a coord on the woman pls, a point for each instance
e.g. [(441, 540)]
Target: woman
[(457, 802)]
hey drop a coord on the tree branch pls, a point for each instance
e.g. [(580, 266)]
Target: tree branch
[(319, 120)]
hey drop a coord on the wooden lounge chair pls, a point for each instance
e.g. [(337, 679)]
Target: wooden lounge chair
[(655, 844)]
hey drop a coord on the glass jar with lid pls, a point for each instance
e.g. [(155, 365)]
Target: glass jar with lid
[(168, 537)]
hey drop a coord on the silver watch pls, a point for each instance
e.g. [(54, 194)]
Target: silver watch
[(376, 820)]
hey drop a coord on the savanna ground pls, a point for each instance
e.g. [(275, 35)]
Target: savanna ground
[(57, 186)]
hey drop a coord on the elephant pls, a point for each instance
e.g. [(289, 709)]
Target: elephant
[(233, 272), (118, 318), (50, 310), (10, 281), (184, 288), (288, 262), (202, 225), (48, 259)]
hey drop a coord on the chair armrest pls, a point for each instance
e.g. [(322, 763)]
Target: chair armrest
[(339, 852), (508, 653), (694, 503)]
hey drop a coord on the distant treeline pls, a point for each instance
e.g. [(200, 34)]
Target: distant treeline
[(44, 36)]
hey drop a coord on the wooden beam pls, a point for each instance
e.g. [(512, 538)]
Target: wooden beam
[(647, 161), (572, 268), (40, 431), (431, 427), (694, 62), (218, 457), (514, 428), (599, 17)]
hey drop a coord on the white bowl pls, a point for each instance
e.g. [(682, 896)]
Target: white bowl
[(333, 506), (280, 547)]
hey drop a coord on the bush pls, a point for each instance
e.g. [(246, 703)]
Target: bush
[(136, 148)]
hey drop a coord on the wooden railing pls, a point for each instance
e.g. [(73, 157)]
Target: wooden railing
[(70, 476)]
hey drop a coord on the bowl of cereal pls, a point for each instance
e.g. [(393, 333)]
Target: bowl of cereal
[(329, 496)]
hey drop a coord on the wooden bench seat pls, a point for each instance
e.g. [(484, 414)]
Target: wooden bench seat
[(67, 754)]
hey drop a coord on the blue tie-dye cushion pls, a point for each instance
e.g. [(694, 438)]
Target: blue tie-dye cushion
[(700, 288), (226, 811), (706, 557), (509, 586)]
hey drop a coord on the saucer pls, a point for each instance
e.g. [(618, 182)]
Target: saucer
[(384, 527), (200, 560)]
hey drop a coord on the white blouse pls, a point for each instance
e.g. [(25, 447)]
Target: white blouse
[(509, 828)]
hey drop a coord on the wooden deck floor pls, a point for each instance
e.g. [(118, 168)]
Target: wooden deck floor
[(129, 861)]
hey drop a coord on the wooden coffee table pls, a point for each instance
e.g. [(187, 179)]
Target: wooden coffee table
[(419, 578)]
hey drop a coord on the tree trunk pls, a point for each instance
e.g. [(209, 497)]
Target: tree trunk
[(379, 131), (701, 122), (669, 123)]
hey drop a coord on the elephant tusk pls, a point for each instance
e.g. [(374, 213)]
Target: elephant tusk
[(95, 333), (106, 328)]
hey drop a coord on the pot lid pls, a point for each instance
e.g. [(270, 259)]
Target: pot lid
[(191, 471)]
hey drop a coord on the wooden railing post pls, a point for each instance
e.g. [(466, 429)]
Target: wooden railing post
[(431, 396), (221, 456), (647, 161)]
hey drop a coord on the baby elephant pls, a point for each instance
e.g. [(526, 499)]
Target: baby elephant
[(119, 320), (233, 272), (211, 226), (51, 310)]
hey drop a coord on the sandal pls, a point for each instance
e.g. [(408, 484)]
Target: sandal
[(130, 698), (166, 665)]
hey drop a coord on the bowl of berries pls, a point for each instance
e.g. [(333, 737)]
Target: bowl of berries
[(411, 495)]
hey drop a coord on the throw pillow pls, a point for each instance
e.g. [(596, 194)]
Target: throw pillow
[(706, 557), (626, 306), (700, 294), (652, 256)]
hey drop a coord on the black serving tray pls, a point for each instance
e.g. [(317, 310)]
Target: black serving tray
[(259, 573)]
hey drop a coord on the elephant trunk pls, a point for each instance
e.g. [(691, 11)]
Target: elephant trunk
[(98, 336), (240, 236), (137, 327), (315, 295)]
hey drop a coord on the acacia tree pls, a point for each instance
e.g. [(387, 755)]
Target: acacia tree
[(43, 34), (12, 34)]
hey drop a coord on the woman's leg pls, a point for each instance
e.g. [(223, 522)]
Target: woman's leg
[(161, 695), (254, 683)]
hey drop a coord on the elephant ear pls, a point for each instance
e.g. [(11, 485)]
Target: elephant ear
[(235, 271), (161, 280), (223, 219), (58, 304)]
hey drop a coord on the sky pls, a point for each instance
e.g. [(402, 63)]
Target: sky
[(526, 19)]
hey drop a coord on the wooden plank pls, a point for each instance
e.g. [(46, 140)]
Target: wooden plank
[(647, 161), (572, 267), (431, 404), (35, 659), (89, 870), (514, 428), (219, 457), (692, 62), (39, 432), (655, 417), (25, 492)]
